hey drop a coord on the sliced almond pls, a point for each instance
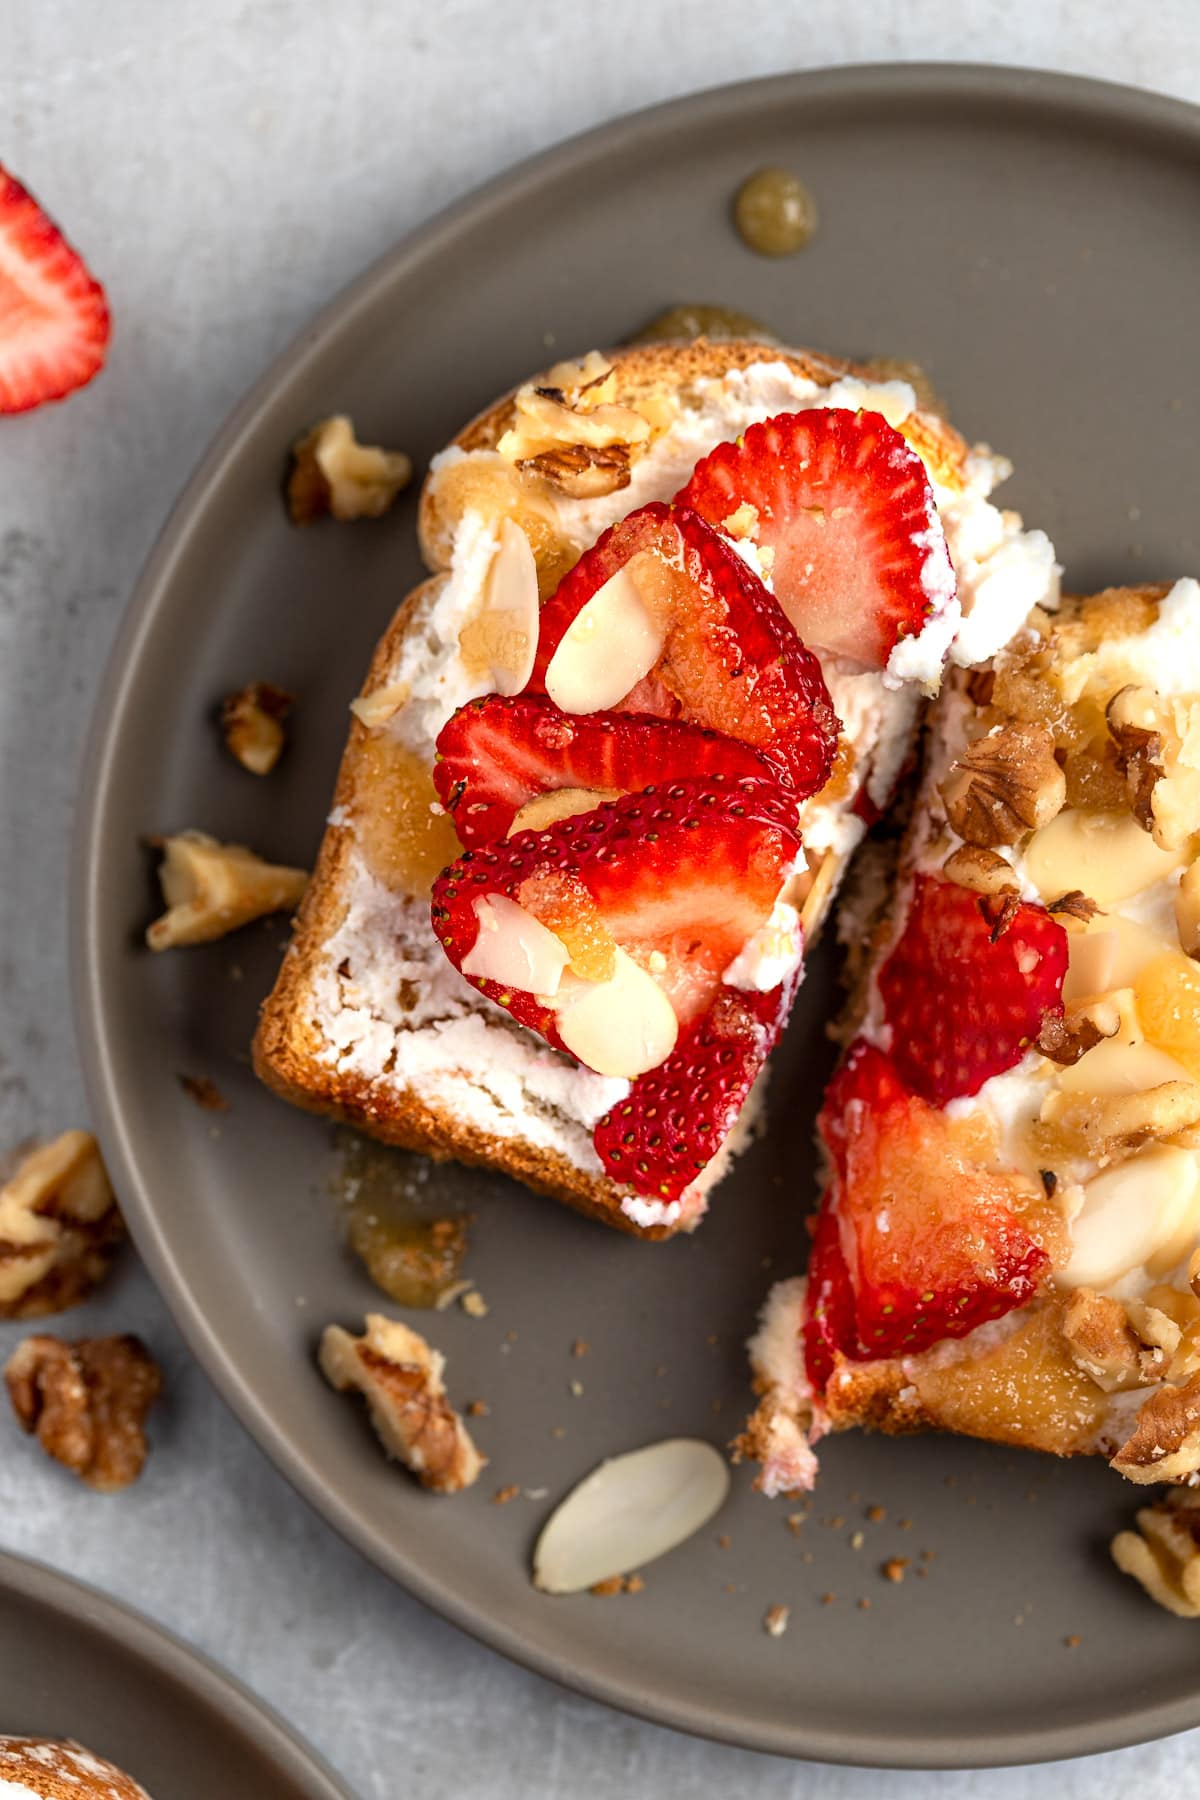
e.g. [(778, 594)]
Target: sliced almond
[(560, 803), (1187, 911), (381, 704), (630, 1510), (1108, 855), (514, 948), (622, 1026), (610, 644), (1130, 1212), (504, 633), (1121, 1065)]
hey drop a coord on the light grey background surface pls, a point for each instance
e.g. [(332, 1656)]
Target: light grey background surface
[(227, 167)]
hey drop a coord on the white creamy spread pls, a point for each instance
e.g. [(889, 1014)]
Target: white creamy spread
[(470, 1056)]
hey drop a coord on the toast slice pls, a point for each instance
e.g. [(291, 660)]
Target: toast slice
[(368, 1022), (1025, 1067)]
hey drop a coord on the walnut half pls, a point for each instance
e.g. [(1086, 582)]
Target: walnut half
[(1105, 1346), (86, 1403), (59, 1227), (212, 888), (331, 472), (400, 1377), (1164, 1552), (1004, 785), (1164, 1444), (572, 433), (252, 724)]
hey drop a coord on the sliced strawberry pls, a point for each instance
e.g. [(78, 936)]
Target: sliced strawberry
[(676, 1117), (965, 990), (730, 660), (860, 560), (54, 324), (497, 753), (680, 879), (829, 1319), (928, 1226)]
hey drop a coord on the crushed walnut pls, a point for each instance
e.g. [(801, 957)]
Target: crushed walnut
[(212, 888), (775, 1620), (1065, 1039), (983, 871), (1100, 1126), (86, 1403), (331, 472), (1004, 785), (1106, 1345), (1164, 1444), (252, 725), (572, 433), (1157, 740), (400, 1377), (1164, 1552), (59, 1227)]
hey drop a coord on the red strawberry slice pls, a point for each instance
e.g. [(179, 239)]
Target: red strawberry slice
[(54, 324), (928, 1226), (829, 1327), (965, 991), (677, 1116), (678, 879), (497, 753), (846, 506), (730, 661)]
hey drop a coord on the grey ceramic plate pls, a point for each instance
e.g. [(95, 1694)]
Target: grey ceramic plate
[(1032, 240), (75, 1664)]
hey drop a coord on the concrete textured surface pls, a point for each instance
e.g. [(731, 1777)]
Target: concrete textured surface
[(228, 167)]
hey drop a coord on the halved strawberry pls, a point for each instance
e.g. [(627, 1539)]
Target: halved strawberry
[(829, 1320), (497, 753), (54, 323), (860, 560), (677, 1116), (730, 660), (680, 879), (965, 991), (928, 1226)]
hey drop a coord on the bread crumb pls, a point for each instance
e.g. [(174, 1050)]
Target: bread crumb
[(603, 1589), (473, 1302), (635, 1584), (857, 1540), (922, 1569), (876, 1514), (905, 1524), (828, 1599), (580, 1347), (577, 1388), (775, 1620), (894, 1568), (835, 1521), (730, 1587), (205, 1093), (503, 1495), (510, 1337), (724, 1540), (864, 1605), (806, 1556), (477, 1409), (795, 1521), (928, 1555), (558, 1431), (1073, 1642)]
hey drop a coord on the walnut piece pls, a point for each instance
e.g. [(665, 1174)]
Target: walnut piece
[(59, 1228), (252, 722), (331, 472), (983, 871), (1164, 1444), (1164, 1552), (1157, 740), (212, 888), (400, 1377), (1064, 1039), (87, 1403), (1100, 1124), (1004, 785), (572, 434), (1102, 1341), (1187, 910)]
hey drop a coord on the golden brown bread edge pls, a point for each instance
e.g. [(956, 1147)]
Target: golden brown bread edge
[(287, 1045), (883, 1395)]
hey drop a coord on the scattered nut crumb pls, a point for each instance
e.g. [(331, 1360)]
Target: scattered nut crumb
[(904, 1524), (400, 1377), (730, 1587), (87, 1403), (503, 1495), (450, 1294), (580, 1347), (510, 1337), (894, 1568), (724, 1541), (59, 1227), (577, 1388), (922, 1569), (835, 1521), (252, 725), (928, 1555), (635, 1584), (205, 1093), (212, 888), (331, 472), (558, 1431), (828, 1599), (795, 1521), (1073, 1642), (473, 1302), (775, 1620), (615, 1584), (857, 1539), (876, 1514), (864, 1605), (477, 1409)]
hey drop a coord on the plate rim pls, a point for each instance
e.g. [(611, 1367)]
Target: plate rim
[(1010, 85), (80, 1602)]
